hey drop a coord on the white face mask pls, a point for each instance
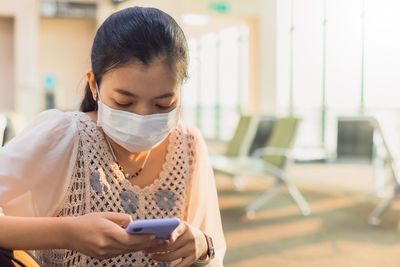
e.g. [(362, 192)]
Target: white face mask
[(132, 131)]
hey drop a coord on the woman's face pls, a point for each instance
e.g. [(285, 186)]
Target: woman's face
[(140, 89)]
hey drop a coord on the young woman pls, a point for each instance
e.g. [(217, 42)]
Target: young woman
[(71, 180)]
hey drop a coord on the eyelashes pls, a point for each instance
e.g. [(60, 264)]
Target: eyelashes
[(161, 107), (122, 105)]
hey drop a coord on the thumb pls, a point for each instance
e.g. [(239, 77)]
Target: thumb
[(121, 219)]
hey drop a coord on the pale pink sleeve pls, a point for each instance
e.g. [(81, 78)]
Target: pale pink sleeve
[(36, 166), (203, 208)]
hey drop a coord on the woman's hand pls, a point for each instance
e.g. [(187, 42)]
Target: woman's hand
[(102, 235), (186, 243)]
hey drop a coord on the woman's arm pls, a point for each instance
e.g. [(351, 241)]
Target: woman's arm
[(203, 206), (99, 235), (27, 233)]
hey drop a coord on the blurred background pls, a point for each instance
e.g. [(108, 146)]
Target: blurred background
[(299, 101)]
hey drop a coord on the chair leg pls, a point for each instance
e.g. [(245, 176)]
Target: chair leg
[(374, 217), (266, 196), (263, 199), (239, 182), (298, 199), (379, 173)]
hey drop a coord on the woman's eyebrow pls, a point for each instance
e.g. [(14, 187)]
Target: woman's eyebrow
[(167, 95), (127, 93), (124, 92)]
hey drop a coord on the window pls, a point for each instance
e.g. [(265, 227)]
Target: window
[(354, 55), (217, 87)]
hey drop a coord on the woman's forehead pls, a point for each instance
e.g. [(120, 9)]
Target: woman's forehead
[(153, 80)]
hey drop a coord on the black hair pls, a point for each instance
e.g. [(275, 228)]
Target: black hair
[(136, 34)]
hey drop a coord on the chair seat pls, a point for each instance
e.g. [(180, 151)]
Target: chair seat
[(242, 166)]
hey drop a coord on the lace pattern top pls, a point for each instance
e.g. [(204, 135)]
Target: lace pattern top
[(96, 184)]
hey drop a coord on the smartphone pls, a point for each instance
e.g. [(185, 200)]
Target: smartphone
[(161, 228)]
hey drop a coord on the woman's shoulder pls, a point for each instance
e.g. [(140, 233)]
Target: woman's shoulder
[(59, 119), (52, 124), (54, 116), (195, 141), (49, 146), (191, 133)]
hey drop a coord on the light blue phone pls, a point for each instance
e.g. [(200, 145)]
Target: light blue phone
[(161, 228)]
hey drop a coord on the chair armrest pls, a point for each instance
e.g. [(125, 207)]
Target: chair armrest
[(271, 151)]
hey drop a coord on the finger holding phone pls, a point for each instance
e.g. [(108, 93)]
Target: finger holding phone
[(101, 235), (186, 243)]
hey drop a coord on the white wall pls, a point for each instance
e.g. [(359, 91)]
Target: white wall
[(7, 92), (25, 16), (64, 52)]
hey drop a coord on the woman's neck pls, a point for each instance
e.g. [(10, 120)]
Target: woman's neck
[(123, 155)]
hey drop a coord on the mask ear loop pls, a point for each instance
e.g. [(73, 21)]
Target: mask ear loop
[(179, 107), (98, 97), (97, 92), (180, 110)]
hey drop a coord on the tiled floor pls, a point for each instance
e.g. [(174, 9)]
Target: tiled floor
[(335, 234)]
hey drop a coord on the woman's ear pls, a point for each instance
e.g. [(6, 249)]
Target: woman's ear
[(92, 84)]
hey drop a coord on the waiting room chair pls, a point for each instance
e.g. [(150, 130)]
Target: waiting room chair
[(251, 133), (390, 159), (271, 159)]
